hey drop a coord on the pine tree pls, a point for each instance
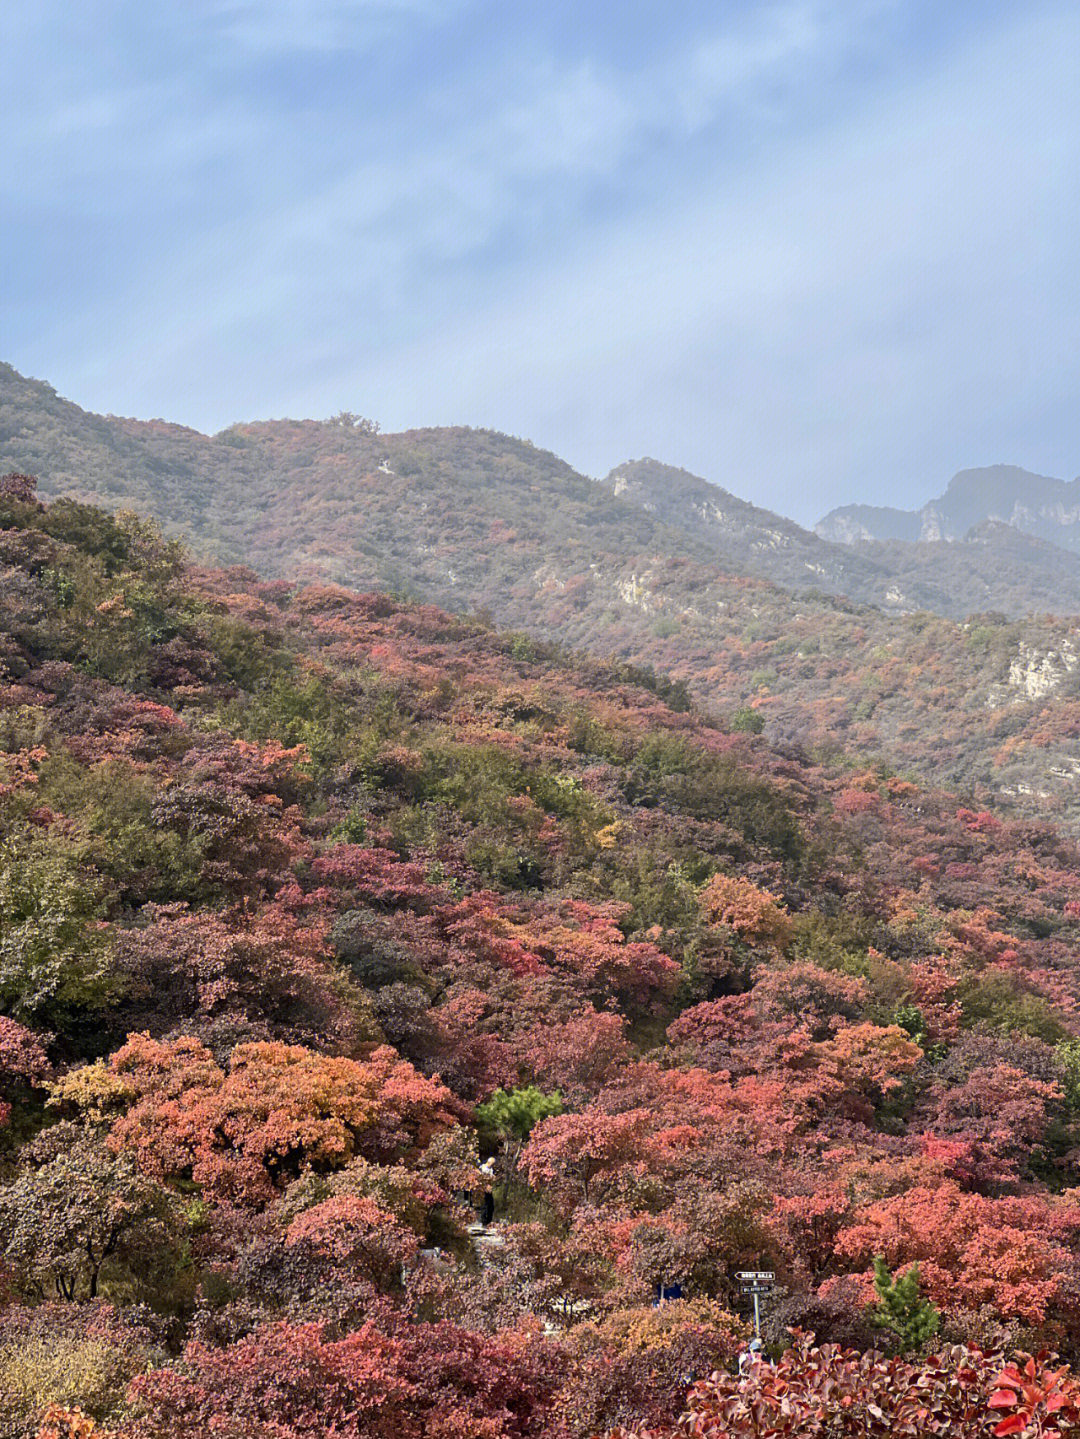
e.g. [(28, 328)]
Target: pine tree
[(513, 1115), (901, 1308)]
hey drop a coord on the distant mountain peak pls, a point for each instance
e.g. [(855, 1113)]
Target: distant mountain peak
[(1039, 506)]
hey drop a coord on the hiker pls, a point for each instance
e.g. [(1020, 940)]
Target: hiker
[(487, 1182), (751, 1356)]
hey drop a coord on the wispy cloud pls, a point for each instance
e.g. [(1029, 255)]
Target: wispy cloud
[(286, 26), (392, 216), (797, 247)]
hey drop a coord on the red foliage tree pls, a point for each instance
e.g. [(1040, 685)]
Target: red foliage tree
[(243, 1132), (356, 1237), (402, 1382), (580, 1055), (838, 1392), (753, 915), (266, 975), (23, 1062), (1007, 1253), (578, 1156)]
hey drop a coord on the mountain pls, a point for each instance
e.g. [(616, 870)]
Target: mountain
[(852, 524), (430, 509), (1036, 505), (652, 566), (744, 538), (1000, 568)]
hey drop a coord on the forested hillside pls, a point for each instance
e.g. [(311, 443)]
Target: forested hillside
[(312, 902), (482, 523)]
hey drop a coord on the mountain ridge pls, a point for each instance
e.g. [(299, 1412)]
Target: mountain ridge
[(280, 471)]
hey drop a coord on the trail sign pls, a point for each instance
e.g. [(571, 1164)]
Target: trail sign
[(756, 1283)]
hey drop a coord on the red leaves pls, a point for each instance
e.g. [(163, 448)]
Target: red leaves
[(587, 1150), (981, 822), (999, 1113), (356, 1238), (580, 1055), (245, 1131), (842, 1393), (753, 915), (262, 974), (22, 1054), (973, 1251), (377, 876), (19, 771), (230, 801), (383, 1381), (23, 1062), (805, 1120), (1041, 1401), (579, 943), (21, 488), (60, 1423)]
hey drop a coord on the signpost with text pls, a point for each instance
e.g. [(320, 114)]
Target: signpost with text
[(756, 1282)]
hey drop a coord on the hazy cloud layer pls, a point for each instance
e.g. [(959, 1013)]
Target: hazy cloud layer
[(816, 252)]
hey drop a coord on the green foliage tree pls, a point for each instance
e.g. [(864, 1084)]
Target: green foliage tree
[(53, 946), (747, 720), (1068, 1056), (901, 1308), (512, 1114), (79, 1221)]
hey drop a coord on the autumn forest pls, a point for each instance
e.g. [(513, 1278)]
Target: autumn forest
[(334, 924)]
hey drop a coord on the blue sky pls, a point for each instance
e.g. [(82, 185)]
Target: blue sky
[(815, 252)]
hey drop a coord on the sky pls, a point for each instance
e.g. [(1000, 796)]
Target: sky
[(815, 252)]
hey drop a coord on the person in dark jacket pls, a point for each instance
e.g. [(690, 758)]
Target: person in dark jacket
[(487, 1182)]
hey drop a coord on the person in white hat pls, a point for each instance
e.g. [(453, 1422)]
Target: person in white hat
[(752, 1355)]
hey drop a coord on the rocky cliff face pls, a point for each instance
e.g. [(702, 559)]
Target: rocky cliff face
[(894, 559), (742, 536), (1037, 505), (856, 524)]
